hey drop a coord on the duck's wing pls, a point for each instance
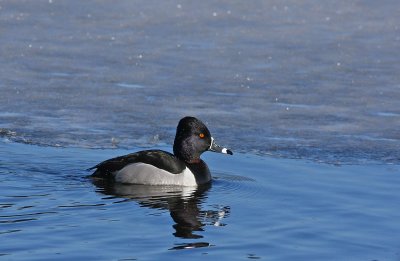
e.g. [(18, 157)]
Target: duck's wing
[(158, 158)]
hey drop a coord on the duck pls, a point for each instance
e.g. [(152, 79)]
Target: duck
[(183, 167)]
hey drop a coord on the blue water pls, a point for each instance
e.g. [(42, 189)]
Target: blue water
[(257, 207), (306, 93)]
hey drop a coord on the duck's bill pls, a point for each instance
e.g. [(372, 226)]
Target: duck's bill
[(216, 148)]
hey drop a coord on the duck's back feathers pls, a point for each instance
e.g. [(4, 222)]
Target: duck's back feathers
[(158, 158)]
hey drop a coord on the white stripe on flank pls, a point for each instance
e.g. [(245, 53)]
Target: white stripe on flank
[(142, 173)]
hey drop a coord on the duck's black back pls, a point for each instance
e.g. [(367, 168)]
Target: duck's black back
[(158, 158)]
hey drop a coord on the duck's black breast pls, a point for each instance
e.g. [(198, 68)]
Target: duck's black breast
[(200, 171), (158, 158)]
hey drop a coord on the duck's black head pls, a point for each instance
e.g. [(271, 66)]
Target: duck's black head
[(192, 139)]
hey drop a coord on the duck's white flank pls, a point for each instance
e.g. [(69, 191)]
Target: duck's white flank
[(142, 173)]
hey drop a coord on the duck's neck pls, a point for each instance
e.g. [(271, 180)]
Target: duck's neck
[(194, 161)]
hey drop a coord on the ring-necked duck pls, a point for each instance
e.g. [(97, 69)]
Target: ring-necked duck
[(157, 167)]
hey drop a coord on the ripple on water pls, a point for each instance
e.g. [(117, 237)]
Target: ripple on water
[(227, 184)]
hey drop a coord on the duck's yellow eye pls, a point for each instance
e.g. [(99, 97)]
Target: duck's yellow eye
[(201, 135)]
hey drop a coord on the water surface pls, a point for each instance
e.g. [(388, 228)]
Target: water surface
[(256, 207), (306, 93), (298, 79)]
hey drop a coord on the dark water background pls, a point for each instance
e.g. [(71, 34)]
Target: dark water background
[(286, 84)]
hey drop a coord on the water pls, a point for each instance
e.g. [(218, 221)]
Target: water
[(257, 207), (305, 93)]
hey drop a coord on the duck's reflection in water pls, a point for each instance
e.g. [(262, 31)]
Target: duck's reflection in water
[(183, 203)]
